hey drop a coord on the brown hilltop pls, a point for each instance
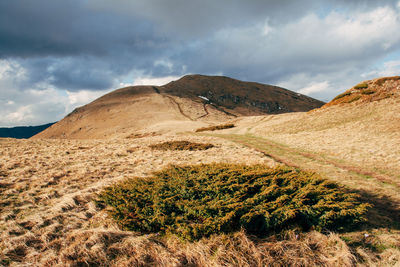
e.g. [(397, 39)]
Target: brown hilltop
[(369, 91), (186, 104), (241, 98)]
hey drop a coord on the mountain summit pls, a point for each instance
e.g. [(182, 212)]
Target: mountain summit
[(190, 102)]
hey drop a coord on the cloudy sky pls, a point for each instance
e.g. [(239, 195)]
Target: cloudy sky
[(56, 55)]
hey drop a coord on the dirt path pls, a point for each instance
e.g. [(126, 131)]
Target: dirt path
[(307, 159), (179, 107), (205, 110), (174, 101)]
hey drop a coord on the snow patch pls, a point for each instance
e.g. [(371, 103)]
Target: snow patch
[(204, 98)]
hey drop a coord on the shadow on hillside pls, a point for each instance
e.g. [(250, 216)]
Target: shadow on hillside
[(385, 212)]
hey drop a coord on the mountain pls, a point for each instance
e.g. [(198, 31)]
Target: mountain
[(23, 131), (186, 104), (241, 98)]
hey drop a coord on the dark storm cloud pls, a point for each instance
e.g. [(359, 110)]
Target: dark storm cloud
[(72, 46), (76, 44), (98, 27), (199, 18), (59, 28)]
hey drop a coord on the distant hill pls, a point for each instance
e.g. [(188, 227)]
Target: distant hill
[(241, 98), (23, 131), (191, 102)]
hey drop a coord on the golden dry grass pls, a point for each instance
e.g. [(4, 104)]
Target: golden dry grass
[(48, 217), (47, 186), (117, 248), (364, 137)]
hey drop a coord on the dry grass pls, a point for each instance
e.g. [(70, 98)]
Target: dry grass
[(360, 137), (47, 187), (117, 248), (48, 217), (141, 135)]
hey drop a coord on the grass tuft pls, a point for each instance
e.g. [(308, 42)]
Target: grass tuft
[(341, 95), (361, 86), (368, 92), (181, 145), (200, 200), (217, 127)]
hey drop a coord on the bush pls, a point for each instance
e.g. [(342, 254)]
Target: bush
[(200, 200), (361, 86), (368, 92), (217, 127), (181, 145), (341, 95)]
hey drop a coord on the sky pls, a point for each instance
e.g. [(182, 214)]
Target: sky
[(56, 55)]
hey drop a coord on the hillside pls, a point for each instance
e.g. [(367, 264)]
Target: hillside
[(241, 98), (186, 104), (363, 133), (23, 131), (369, 91)]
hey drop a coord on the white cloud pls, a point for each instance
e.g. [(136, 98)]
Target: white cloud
[(311, 42), (267, 29), (379, 25), (155, 81), (31, 107), (164, 63), (21, 115), (84, 97), (315, 87), (389, 68)]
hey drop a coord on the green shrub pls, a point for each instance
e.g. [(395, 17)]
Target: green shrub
[(199, 200), (368, 92), (181, 145), (341, 95), (361, 86), (217, 127)]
